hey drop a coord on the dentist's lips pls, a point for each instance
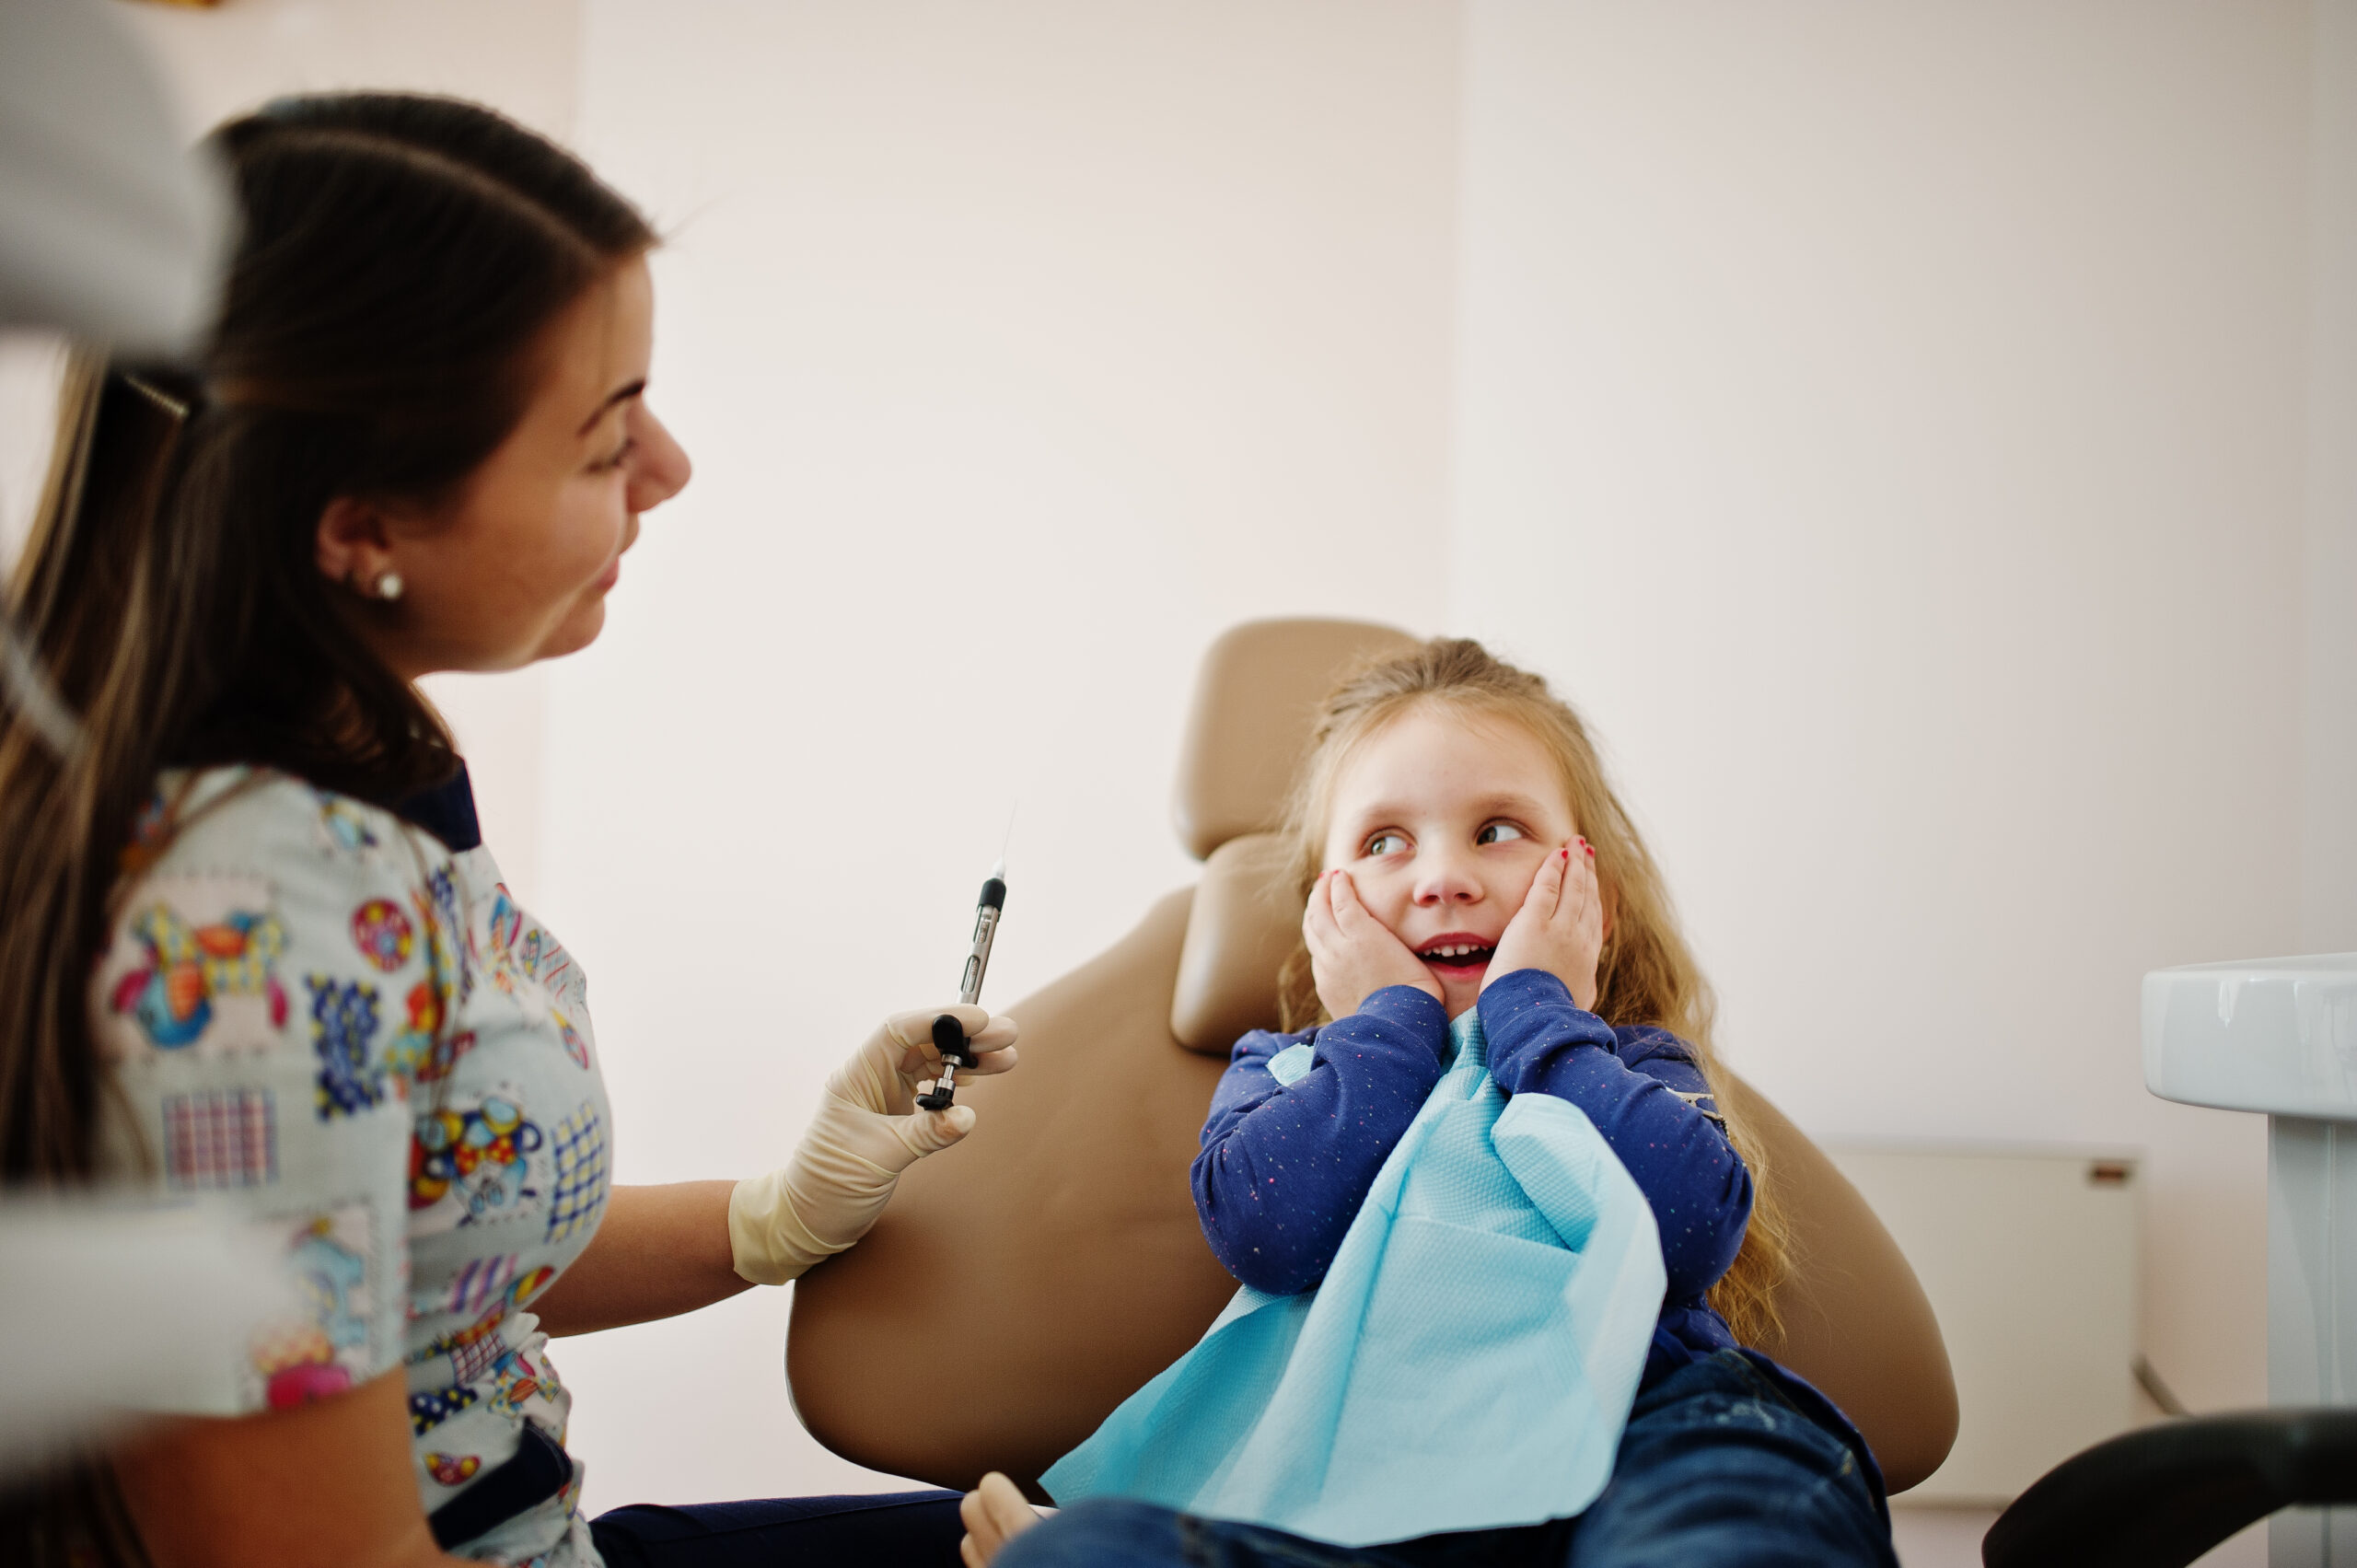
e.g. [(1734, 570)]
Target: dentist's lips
[(1457, 953)]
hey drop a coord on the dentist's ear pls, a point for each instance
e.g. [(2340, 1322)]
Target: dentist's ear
[(353, 546)]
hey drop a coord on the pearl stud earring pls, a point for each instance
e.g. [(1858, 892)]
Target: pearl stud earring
[(388, 585)]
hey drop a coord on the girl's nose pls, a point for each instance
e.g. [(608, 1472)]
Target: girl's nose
[(1445, 878)]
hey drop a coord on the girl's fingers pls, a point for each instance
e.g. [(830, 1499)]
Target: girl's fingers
[(993, 1513), (1545, 895), (1579, 882), (1345, 897), (1318, 917)]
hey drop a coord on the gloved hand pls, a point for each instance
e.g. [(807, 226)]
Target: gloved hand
[(868, 1130)]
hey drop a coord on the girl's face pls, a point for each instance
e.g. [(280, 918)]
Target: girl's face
[(517, 569), (1441, 820)]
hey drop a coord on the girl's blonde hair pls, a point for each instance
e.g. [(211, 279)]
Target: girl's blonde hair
[(1646, 975)]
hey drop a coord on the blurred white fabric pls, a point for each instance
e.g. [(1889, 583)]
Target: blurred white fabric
[(108, 1312), (110, 227), (112, 230)]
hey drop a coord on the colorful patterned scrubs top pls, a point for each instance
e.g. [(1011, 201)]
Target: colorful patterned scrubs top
[(342, 1023)]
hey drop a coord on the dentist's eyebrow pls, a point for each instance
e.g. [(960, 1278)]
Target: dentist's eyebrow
[(619, 395)]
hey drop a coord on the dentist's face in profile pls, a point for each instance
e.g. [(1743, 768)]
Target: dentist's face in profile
[(517, 566)]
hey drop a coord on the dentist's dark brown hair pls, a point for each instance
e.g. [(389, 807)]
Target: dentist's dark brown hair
[(400, 263)]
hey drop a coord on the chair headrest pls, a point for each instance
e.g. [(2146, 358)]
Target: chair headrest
[(1255, 703), (1254, 700), (1244, 920)]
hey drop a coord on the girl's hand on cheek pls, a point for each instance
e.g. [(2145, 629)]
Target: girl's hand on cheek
[(1560, 927), (1352, 954)]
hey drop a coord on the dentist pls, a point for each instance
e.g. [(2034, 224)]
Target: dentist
[(255, 947)]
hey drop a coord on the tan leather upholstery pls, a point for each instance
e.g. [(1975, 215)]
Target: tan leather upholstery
[(1259, 690), (1067, 1226), (1856, 1323), (1247, 920), (1061, 1236)]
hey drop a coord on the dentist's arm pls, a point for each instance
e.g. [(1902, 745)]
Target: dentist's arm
[(664, 1251)]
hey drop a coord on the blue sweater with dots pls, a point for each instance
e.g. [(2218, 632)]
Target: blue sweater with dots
[(1285, 1166)]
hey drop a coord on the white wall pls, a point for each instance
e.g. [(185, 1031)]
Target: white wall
[(2329, 827), (1022, 348), (1889, 424)]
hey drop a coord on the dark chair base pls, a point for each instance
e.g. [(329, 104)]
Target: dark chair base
[(2161, 1496)]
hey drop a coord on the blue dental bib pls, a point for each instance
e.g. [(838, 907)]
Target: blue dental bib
[(1469, 1361)]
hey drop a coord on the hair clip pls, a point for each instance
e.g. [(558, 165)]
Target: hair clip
[(156, 395)]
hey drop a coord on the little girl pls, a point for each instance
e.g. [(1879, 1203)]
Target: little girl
[(1462, 852)]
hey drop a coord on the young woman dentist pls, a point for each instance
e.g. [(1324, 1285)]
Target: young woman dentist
[(254, 946)]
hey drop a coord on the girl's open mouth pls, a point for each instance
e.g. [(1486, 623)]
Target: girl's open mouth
[(1457, 953)]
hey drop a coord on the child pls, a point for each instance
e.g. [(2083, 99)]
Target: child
[(1462, 853)]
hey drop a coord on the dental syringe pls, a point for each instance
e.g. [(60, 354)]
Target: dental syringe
[(948, 1034)]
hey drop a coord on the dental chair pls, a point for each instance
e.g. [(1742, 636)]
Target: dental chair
[(1024, 1283)]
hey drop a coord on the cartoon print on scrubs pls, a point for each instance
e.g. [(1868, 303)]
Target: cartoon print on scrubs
[(491, 1284), (431, 1408), (419, 1113), (344, 826), (220, 1138), (475, 1164), (344, 1021), (150, 832), (580, 1173), (527, 963), (439, 911), (515, 1382), (326, 1350), (419, 1050), (381, 932), (449, 1469), (200, 965)]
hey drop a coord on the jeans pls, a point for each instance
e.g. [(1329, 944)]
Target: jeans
[(919, 1529), (1720, 1466)]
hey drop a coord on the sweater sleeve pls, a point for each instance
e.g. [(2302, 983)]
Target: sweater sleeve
[(1648, 1098), (1286, 1161)]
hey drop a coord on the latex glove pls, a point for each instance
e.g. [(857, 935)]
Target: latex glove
[(868, 1130)]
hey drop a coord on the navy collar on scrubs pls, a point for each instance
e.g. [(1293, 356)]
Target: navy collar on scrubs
[(446, 810)]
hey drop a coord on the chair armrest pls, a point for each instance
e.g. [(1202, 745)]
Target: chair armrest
[(2161, 1496)]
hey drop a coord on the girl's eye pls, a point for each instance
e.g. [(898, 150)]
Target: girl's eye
[(1386, 844), (609, 464), (1499, 833)]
